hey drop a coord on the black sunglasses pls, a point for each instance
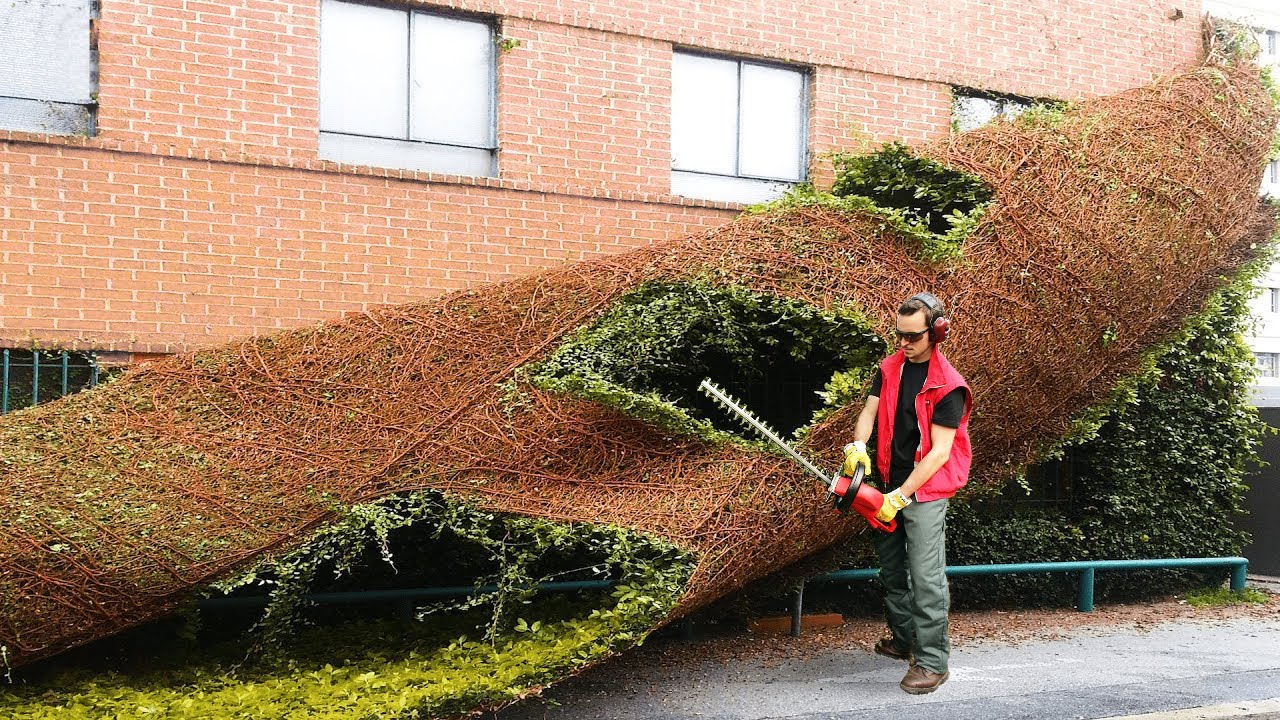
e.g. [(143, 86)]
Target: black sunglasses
[(910, 336)]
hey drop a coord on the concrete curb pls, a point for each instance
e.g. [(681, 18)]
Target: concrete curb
[(1259, 710)]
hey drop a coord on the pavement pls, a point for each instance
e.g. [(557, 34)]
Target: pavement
[(1178, 670)]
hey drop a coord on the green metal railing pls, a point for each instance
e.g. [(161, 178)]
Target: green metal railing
[(1086, 568), (405, 597), (29, 377)]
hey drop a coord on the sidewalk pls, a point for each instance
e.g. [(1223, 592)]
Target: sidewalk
[(1214, 661), (1264, 710)]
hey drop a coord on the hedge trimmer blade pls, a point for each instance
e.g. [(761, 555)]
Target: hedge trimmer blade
[(758, 426)]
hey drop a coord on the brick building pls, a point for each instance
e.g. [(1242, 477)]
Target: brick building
[(176, 174)]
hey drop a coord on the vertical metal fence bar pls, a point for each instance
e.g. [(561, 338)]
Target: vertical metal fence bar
[(7, 363)]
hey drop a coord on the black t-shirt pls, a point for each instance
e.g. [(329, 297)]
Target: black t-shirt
[(906, 427)]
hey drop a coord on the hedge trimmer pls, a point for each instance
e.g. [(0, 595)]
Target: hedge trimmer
[(847, 492)]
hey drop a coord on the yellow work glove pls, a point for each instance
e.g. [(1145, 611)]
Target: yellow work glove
[(893, 502), (855, 454)]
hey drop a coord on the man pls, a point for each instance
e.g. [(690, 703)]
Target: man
[(919, 407)]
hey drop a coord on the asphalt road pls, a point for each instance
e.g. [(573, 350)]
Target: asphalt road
[(1225, 668)]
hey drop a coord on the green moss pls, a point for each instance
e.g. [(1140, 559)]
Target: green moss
[(485, 650), (1220, 596), (359, 670)]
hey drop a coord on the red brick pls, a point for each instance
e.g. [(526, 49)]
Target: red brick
[(201, 210)]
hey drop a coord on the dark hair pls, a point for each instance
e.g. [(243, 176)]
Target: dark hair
[(915, 305)]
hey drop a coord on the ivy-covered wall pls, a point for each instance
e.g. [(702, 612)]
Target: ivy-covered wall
[(1162, 476)]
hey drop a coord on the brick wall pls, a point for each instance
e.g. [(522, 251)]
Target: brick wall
[(200, 210)]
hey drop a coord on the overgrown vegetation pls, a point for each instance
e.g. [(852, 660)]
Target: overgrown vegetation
[(926, 191), (483, 650), (647, 355), (1162, 474), (917, 197)]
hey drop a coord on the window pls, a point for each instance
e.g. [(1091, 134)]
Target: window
[(406, 89), (46, 67), (1274, 294), (974, 108), (1268, 364), (1269, 41), (29, 377), (738, 128)]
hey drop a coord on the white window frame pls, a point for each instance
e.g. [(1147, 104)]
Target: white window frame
[(1273, 295), (1268, 364), (48, 67), (739, 186), (404, 150)]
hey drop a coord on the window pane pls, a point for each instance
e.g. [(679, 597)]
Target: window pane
[(407, 154), (1266, 364), (974, 112), (773, 123), (364, 70), (1010, 108), (453, 68), (726, 188), (42, 116), (704, 114), (44, 50)]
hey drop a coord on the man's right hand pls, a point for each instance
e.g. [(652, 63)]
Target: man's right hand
[(855, 454)]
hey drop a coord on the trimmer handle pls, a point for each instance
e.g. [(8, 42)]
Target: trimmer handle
[(850, 493), (887, 527)]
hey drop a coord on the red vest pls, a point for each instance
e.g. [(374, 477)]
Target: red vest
[(942, 379)]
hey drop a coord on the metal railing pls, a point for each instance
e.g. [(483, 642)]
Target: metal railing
[(30, 377), (1086, 569), (404, 598)]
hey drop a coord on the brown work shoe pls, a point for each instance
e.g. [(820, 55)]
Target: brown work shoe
[(919, 681), (886, 647)]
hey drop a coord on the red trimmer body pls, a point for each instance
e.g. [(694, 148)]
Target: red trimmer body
[(852, 493)]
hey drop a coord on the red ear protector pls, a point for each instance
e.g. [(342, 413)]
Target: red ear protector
[(938, 322)]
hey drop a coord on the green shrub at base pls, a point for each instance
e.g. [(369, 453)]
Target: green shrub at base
[(484, 651)]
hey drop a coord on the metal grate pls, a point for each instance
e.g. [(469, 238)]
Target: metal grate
[(30, 377)]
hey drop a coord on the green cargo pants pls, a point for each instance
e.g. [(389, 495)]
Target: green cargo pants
[(913, 561)]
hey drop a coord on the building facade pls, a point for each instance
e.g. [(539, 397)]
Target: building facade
[(1263, 18), (177, 174), (1263, 498)]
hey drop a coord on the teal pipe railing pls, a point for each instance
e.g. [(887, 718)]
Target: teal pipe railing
[(403, 597), (1086, 568), (77, 373)]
